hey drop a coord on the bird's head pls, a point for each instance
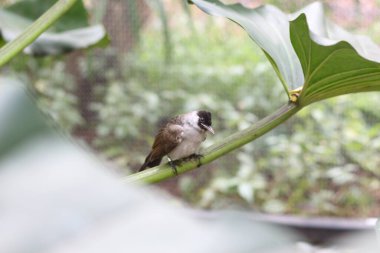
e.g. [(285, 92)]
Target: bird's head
[(204, 121)]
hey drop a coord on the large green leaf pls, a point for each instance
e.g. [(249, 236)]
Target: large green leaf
[(69, 33), (317, 56), (269, 28), (333, 68)]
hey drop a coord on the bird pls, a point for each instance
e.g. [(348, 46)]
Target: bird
[(179, 138)]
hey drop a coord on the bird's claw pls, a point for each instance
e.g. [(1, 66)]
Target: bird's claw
[(173, 165), (197, 157)]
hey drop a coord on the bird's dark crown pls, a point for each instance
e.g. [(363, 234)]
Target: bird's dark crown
[(204, 118)]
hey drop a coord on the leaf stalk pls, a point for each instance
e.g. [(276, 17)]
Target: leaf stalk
[(219, 149)]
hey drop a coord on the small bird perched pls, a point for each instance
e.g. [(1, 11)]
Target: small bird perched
[(179, 138)]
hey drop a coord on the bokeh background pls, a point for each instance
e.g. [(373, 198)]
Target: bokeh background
[(166, 58)]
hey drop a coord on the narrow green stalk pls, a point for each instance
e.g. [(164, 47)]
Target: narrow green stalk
[(12, 48), (217, 150)]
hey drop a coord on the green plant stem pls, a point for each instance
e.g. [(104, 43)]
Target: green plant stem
[(217, 150), (15, 46)]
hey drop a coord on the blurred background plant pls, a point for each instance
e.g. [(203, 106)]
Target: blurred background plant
[(324, 161)]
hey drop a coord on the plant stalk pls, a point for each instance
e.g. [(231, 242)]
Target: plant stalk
[(15, 46), (217, 150)]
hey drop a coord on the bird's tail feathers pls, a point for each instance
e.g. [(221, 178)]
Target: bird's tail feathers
[(150, 163)]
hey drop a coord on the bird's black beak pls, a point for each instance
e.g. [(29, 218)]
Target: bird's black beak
[(208, 128)]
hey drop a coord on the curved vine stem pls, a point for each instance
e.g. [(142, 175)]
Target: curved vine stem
[(217, 150)]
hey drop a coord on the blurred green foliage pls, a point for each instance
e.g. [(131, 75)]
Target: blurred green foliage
[(327, 164), (324, 161), (53, 86)]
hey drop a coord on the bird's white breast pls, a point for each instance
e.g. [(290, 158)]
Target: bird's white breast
[(192, 137)]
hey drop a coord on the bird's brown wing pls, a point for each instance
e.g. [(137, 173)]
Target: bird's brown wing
[(166, 140)]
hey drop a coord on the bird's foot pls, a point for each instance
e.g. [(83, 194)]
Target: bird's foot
[(174, 165), (196, 157)]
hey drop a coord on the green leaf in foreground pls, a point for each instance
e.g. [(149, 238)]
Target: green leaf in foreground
[(19, 117), (331, 70)]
